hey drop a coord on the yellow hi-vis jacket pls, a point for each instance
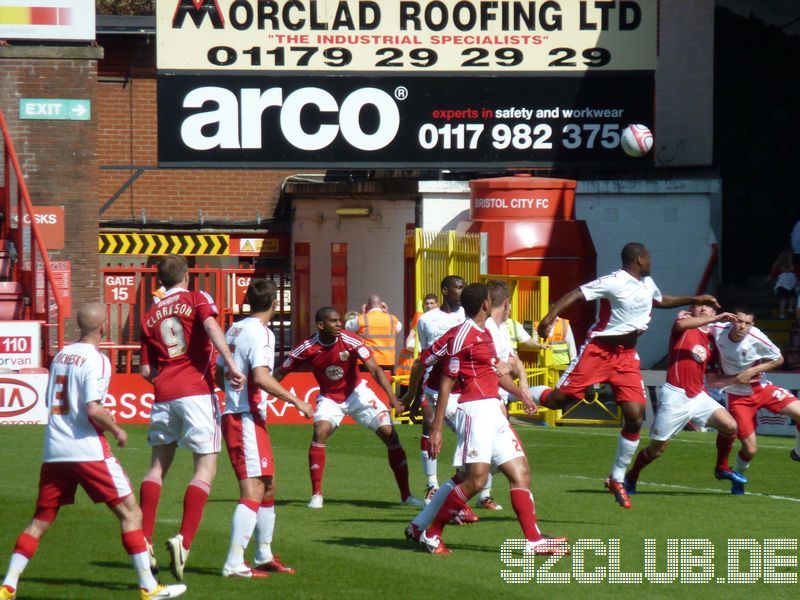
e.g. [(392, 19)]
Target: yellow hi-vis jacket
[(558, 342), (379, 330)]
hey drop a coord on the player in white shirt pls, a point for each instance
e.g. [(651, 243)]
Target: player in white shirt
[(244, 426), (431, 326), (76, 453), (745, 354), (627, 297)]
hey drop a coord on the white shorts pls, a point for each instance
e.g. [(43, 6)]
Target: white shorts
[(192, 422), (676, 409), (484, 434), (362, 405), (432, 396)]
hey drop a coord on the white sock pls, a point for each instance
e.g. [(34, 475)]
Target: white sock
[(141, 562), (430, 467), (265, 527), (741, 464), (15, 569), (487, 489), (428, 514), (625, 450), (242, 525)]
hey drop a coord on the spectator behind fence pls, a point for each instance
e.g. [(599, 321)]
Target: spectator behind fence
[(786, 283), (379, 330)]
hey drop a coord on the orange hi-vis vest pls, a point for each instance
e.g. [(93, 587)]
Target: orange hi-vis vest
[(379, 330)]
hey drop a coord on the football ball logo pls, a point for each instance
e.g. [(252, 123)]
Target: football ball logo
[(699, 353), (636, 140)]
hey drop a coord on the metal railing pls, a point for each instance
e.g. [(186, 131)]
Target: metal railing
[(32, 269)]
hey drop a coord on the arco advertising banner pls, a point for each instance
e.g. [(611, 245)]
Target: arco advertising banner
[(400, 121)]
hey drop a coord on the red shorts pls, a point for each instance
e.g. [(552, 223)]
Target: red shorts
[(248, 445), (602, 363), (745, 408), (103, 480)]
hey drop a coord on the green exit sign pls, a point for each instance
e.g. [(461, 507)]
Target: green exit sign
[(56, 109)]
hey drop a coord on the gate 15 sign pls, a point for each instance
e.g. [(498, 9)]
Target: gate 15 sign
[(399, 35), (119, 288)]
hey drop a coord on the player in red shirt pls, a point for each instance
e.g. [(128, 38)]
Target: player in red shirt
[(333, 356), (179, 335), (77, 453), (485, 437), (683, 397)]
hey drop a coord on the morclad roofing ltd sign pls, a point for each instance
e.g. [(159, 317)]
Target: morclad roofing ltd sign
[(408, 84)]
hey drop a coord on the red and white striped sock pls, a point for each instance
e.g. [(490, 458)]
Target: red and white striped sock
[(724, 447), (194, 501), (242, 526), (626, 447), (265, 528), (453, 504), (522, 501), (134, 544), (149, 496), (316, 466), (24, 550), (399, 466)]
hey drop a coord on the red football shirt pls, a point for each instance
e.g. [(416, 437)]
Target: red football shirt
[(473, 357), (335, 366), (690, 352), (177, 346), (435, 356)]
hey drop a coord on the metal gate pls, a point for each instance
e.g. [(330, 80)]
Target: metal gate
[(128, 302)]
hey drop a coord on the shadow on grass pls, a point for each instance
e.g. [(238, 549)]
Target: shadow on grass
[(66, 582), (346, 502), (600, 492), (371, 542), (400, 543)]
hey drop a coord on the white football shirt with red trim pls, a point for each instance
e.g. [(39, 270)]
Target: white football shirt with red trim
[(626, 303), (79, 374)]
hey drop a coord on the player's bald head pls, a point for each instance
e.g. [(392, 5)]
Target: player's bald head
[(374, 301), (91, 317)]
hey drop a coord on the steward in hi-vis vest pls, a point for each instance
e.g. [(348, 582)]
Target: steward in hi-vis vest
[(379, 330)]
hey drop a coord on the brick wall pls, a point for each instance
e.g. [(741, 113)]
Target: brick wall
[(58, 158), (127, 136)]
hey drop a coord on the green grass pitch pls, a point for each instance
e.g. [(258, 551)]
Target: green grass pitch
[(354, 547)]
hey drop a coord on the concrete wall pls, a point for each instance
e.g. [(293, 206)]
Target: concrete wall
[(673, 218), (685, 83), (375, 248)]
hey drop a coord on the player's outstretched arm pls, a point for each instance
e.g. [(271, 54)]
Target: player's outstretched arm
[(103, 419), (217, 338), (751, 373), (695, 322), (414, 380), (379, 377), (264, 379), (668, 301), (567, 300)]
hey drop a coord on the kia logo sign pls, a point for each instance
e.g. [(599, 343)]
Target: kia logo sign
[(16, 397)]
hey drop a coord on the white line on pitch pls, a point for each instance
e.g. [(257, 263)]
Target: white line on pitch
[(686, 487)]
